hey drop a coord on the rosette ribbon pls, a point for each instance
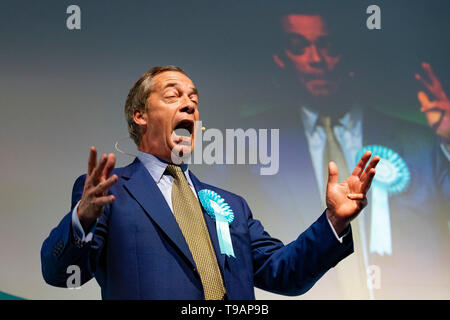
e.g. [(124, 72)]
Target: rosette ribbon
[(392, 176), (221, 213)]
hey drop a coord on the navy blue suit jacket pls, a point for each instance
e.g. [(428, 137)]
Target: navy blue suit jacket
[(138, 250)]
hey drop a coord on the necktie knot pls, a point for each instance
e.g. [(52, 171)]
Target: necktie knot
[(175, 171), (326, 122)]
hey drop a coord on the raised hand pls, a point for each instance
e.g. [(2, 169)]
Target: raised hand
[(98, 181), (346, 200), (438, 110)]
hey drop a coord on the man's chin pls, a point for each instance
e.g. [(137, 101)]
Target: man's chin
[(320, 88)]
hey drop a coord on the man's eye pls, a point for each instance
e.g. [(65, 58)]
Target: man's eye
[(296, 44)]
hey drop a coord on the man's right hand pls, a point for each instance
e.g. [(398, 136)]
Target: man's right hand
[(98, 181)]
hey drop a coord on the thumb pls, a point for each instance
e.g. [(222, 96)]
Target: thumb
[(424, 101), (332, 173)]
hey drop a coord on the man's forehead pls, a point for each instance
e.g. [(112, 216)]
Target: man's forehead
[(309, 26), (164, 79)]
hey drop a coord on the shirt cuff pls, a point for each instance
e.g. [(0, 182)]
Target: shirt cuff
[(340, 239), (77, 230)]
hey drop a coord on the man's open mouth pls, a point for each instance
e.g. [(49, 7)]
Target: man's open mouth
[(183, 131)]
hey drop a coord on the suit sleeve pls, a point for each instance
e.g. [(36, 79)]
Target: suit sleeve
[(61, 250), (294, 268)]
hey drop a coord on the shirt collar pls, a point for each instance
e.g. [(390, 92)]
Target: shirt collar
[(348, 121), (309, 119), (351, 118), (156, 167)]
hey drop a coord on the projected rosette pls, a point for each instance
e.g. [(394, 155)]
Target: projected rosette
[(392, 176)]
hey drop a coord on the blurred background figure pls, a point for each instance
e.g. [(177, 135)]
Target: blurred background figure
[(324, 115)]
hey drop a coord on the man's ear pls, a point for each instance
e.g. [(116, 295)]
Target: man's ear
[(278, 61), (140, 117)]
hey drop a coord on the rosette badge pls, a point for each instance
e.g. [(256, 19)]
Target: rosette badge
[(392, 176), (221, 213)]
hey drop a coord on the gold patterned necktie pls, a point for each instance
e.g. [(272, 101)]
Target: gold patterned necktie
[(333, 152), (351, 271), (189, 216)]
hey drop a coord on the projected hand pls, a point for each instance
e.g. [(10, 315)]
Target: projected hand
[(437, 111), (98, 181), (346, 200)]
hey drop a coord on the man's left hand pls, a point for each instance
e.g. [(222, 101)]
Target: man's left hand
[(346, 200), (437, 110)]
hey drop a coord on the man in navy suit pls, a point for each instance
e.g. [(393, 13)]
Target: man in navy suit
[(124, 229)]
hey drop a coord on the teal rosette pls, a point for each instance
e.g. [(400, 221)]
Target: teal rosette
[(221, 213), (392, 176)]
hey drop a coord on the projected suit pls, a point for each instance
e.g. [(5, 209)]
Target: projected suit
[(319, 84), (419, 214)]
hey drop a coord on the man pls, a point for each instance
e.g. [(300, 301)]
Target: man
[(141, 232), (325, 120)]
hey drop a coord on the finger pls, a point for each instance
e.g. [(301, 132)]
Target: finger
[(429, 71), (102, 201), (102, 187), (373, 163), (435, 85), (92, 160), (424, 101), (362, 164), (368, 182), (360, 198), (332, 173), (110, 163), (424, 83), (96, 174), (356, 196)]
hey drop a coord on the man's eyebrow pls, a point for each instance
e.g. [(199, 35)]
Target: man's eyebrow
[(175, 84)]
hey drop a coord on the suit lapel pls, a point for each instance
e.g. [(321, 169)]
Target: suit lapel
[(379, 129), (211, 225), (143, 188)]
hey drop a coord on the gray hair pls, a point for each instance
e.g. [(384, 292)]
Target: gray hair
[(137, 99)]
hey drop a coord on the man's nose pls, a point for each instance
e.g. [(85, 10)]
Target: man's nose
[(314, 54), (188, 105), (315, 57)]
